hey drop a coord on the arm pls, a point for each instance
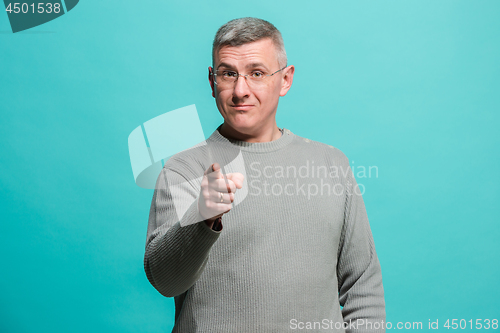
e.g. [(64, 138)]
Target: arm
[(175, 256), (360, 279)]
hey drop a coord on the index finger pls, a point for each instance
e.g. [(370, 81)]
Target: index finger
[(217, 174)]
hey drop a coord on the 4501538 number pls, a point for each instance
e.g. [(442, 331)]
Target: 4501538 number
[(478, 324), (24, 8)]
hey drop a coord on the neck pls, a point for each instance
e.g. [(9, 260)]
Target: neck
[(264, 135)]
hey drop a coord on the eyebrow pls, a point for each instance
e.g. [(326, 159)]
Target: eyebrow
[(256, 64), (223, 64), (250, 65)]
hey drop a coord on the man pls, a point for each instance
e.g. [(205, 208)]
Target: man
[(281, 243)]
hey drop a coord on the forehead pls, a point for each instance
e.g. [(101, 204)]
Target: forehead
[(259, 52)]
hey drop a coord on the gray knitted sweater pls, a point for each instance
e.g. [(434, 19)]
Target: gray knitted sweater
[(295, 247)]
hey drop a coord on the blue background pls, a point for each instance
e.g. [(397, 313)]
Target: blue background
[(411, 87)]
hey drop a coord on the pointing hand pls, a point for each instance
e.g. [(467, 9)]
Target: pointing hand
[(217, 193)]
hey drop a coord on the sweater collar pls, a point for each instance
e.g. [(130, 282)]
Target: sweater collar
[(258, 147)]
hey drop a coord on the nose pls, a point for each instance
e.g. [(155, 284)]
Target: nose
[(241, 88)]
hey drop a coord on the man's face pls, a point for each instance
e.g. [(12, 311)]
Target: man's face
[(247, 107)]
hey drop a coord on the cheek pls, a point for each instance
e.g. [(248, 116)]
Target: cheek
[(222, 97), (268, 96), (271, 92), (225, 94)]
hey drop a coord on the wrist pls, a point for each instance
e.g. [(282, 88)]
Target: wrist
[(214, 223)]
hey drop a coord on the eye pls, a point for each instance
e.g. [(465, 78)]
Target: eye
[(258, 75), (229, 74)]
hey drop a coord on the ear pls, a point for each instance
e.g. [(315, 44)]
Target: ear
[(211, 80), (287, 79)]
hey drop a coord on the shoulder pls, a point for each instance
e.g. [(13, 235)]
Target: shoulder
[(194, 161), (320, 148), (190, 163), (196, 152)]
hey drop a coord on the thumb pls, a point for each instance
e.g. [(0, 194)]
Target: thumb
[(237, 179)]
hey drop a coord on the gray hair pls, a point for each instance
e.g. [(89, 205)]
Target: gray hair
[(246, 30)]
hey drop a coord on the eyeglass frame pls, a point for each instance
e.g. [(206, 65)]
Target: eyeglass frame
[(245, 75)]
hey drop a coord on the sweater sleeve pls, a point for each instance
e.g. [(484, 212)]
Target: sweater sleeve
[(176, 248), (358, 269)]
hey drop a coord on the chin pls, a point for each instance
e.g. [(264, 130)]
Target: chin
[(241, 121), (243, 127)]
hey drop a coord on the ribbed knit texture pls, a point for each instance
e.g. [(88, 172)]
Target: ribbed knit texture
[(285, 253)]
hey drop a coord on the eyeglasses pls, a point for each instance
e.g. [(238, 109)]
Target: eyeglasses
[(226, 78)]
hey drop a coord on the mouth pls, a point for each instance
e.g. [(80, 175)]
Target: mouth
[(242, 107)]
